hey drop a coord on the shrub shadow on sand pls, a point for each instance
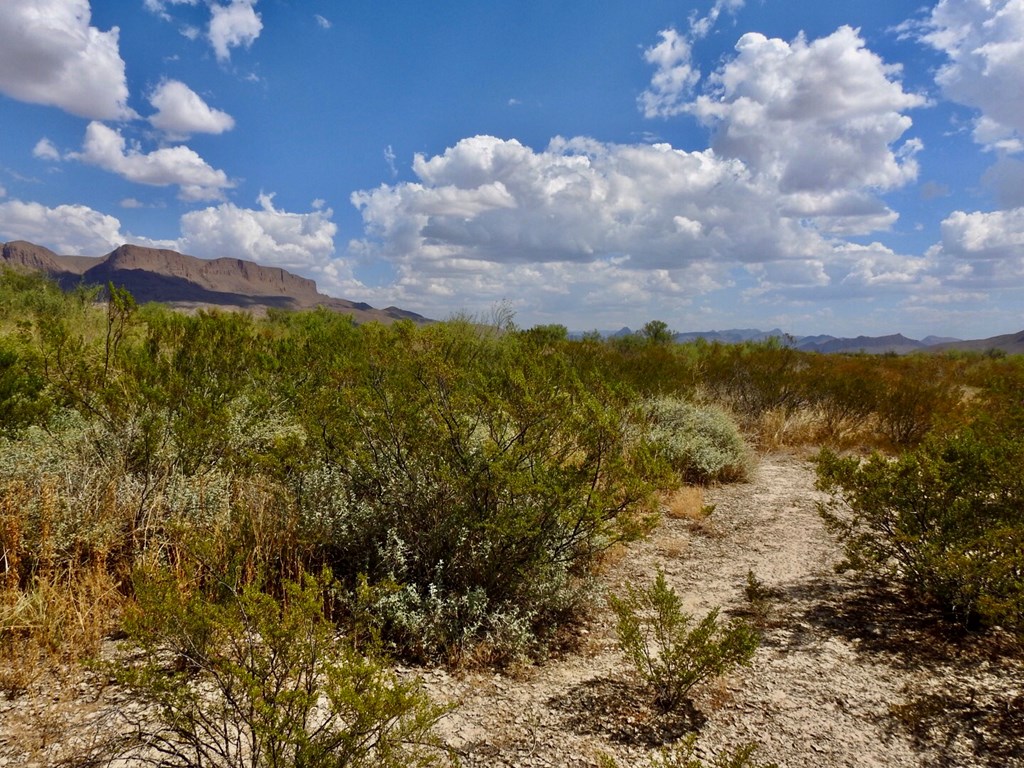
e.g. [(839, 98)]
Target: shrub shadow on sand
[(623, 712)]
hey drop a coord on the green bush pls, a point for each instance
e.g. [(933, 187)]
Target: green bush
[(471, 483), (261, 682), (671, 654), (700, 443), (917, 394), (943, 519), (753, 377)]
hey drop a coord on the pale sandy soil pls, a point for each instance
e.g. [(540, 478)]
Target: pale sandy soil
[(840, 680), (844, 676)]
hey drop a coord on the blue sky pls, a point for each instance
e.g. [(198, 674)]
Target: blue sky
[(844, 168)]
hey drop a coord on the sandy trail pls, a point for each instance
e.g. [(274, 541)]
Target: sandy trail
[(841, 678)]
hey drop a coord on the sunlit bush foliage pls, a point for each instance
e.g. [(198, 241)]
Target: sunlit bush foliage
[(943, 519), (700, 443)]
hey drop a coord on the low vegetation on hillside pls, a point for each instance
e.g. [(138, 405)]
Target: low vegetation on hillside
[(440, 493)]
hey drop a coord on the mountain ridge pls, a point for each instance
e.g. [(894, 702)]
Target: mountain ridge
[(189, 282), (1010, 343)]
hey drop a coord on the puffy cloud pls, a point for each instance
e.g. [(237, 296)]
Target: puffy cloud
[(266, 235), (583, 225), (322, 21), (75, 229), (234, 25), (876, 266), (106, 148), (45, 150), (674, 76), (492, 200), (984, 41), (998, 235), (182, 112), (50, 54), (981, 250), (820, 121), (816, 116)]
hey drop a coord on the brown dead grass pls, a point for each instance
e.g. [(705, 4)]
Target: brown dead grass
[(686, 503)]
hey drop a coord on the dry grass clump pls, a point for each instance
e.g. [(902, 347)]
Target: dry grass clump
[(779, 428), (685, 503), (61, 619)]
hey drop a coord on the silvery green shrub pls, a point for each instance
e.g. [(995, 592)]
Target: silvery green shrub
[(700, 443)]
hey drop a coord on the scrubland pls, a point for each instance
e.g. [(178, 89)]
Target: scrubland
[(258, 535)]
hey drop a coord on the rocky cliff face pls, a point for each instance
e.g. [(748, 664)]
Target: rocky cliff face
[(24, 256), (232, 276), (153, 274)]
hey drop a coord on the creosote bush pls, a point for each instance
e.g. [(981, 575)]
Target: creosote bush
[(472, 485), (943, 519), (668, 651), (261, 681)]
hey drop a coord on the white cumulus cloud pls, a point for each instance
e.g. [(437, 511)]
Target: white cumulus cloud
[(814, 115), (232, 26), (46, 150), (266, 234), (50, 54), (197, 180), (579, 200), (984, 43), (674, 76), (998, 235), (822, 120), (74, 229), (980, 251), (182, 112)]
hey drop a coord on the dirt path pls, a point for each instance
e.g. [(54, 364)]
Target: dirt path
[(841, 678)]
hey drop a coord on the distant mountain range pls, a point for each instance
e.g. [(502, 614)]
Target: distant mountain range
[(187, 282), (1012, 343)]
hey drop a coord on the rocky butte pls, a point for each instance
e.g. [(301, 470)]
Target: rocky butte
[(187, 282)]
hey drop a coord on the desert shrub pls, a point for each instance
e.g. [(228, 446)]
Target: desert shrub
[(649, 363), (257, 681), (917, 393), (22, 399), (699, 442), (471, 483), (843, 391), (63, 506), (753, 377), (669, 653), (943, 519)]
